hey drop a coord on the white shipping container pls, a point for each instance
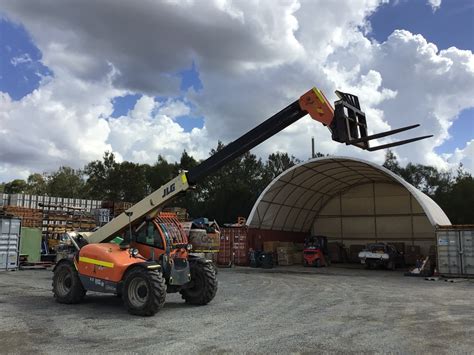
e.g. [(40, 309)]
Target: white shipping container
[(456, 251), (9, 243)]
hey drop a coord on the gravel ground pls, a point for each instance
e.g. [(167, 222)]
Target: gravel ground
[(282, 310)]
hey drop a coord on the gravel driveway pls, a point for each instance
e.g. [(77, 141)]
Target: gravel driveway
[(255, 311)]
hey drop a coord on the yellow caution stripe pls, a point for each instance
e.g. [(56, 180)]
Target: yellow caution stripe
[(319, 95), (96, 262)]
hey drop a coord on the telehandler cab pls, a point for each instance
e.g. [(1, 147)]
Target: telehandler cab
[(154, 258)]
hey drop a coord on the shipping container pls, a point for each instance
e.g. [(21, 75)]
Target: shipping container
[(30, 244), (9, 243), (239, 247), (257, 237), (224, 257), (456, 250)]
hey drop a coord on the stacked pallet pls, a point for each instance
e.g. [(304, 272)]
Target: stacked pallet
[(35, 201), (58, 219), (288, 253), (102, 216), (116, 208), (30, 217)]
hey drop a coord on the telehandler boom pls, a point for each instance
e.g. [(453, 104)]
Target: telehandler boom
[(346, 122), (154, 258)]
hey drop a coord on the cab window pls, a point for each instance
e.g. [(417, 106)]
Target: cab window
[(147, 234)]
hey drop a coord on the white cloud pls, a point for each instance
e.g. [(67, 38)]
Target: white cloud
[(149, 130), (435, 4), (253, 57), (464, 156), (21, 59)]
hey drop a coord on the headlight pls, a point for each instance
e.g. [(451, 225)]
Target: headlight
[(133, 252), (189, 247)]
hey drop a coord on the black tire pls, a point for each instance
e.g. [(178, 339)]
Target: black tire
[(67, 287), (203, 285), (144, 291)]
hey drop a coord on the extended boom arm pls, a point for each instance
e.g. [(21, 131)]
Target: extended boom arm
[(346, 122)]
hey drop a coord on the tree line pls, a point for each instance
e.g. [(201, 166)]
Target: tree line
[(233, 189)]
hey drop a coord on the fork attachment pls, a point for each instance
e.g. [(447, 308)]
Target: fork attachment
[(349, 125)]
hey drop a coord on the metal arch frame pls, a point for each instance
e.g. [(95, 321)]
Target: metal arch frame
[(279, 188), (381, 174)]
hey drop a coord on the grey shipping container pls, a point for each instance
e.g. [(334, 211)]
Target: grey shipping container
[(9, 243), (456, 251)]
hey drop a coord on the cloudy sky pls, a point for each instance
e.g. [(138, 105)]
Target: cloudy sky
[(143, 78)]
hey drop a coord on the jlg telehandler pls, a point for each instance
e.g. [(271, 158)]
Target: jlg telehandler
[(154, 258)]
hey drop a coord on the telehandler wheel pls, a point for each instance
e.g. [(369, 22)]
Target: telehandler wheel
[(144, 291), (67, 286), (203, 285)]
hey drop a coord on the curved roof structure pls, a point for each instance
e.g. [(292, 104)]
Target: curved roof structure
[(293, 200)]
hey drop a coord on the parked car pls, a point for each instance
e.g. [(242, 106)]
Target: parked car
[(381, 254)]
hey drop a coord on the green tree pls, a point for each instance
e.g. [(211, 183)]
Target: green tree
[(187, 162), (66, 182), (17, 186), (131, 181), (231, 191), (101, 182), (37, 184), (391, 162), (277, 163), (453, 193), (160, 173)]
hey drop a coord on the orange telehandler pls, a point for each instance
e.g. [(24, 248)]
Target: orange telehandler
[(154, 257)]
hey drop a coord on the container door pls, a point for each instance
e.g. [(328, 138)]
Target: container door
[(224, 257), (5, 226), (449, 259), (3, 251), (12, 259), (241, 249), (15, 226), (467, 245)]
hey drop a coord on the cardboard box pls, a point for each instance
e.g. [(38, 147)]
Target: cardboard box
[(298, 258), (288, 245), (285, 259), (283, 250), (270, 247)]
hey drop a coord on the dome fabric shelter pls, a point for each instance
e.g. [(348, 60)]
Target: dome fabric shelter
[(331, 195)]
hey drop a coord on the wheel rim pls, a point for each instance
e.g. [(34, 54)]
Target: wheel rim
[(64, 283), (138, 292)]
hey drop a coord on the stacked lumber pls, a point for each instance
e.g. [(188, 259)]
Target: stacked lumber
[(59, 219), (120, 207), (30, 217)]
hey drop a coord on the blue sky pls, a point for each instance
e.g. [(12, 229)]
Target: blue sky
[(450, 25), (189, 58), (20, 61)]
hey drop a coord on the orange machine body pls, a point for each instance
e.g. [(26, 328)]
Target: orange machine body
[(105, 261), (317, 105)]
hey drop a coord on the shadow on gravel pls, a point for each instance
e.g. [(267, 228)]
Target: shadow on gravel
[(109, 307)]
